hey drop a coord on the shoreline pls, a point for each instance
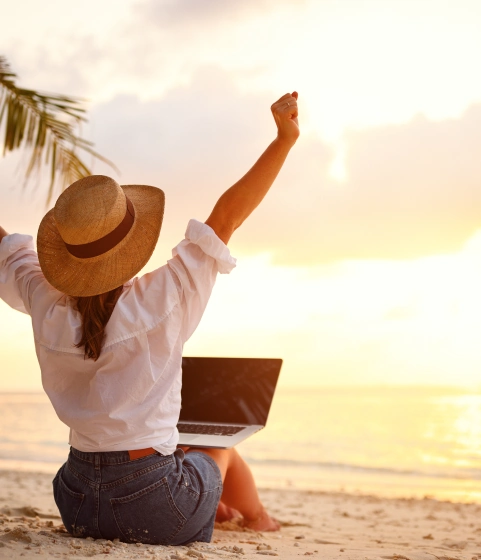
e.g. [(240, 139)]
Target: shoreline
[(327, 524), (356, 482)]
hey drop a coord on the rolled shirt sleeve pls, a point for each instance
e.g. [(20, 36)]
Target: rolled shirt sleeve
[(20, 271), (195, 263), (194, 267)]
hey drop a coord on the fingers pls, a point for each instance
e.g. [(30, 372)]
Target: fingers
[(285, 113), (286, 104), (287, 99), (286, 95)]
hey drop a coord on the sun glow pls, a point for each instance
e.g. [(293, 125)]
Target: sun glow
[(375, 322), (379, 322)]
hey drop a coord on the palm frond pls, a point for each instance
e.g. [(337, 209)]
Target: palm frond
[(46, 125)]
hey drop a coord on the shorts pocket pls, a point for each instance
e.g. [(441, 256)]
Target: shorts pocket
[(148, 516), (190, 482), (68, 503)]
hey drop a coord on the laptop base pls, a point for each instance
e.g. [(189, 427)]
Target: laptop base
[(215, 441)]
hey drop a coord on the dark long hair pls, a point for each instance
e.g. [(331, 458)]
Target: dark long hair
[(95, 312)]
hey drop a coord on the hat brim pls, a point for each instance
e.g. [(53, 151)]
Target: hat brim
[(92, 276)]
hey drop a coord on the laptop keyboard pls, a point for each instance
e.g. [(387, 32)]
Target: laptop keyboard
[(209, 429)]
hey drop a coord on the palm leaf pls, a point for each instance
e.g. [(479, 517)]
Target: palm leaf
[(46, 125)]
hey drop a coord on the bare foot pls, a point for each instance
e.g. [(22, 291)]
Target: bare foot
[(263, 523), (225, 513)]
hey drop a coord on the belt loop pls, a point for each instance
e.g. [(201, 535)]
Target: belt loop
[(98, 475)]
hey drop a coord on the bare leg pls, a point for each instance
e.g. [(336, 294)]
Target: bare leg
[(226, 513), (240, 492)]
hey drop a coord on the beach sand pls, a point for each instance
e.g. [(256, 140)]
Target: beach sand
[(319, 524)]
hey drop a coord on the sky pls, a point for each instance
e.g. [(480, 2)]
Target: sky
[(363, 264)]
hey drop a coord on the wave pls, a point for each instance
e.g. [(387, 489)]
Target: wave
[(457, 473)]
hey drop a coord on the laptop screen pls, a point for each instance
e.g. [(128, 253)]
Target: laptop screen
[(228, 390)]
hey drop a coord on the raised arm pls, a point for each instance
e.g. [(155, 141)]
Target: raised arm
[(237, 203)]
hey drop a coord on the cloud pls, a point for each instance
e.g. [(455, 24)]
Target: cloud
[(195, 142), (187, 12), (412, 189), (145, 48)]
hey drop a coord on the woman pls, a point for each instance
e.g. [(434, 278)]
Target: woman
[(110, 351)]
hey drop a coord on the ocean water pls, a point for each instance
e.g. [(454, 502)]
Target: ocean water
[(409, 442)]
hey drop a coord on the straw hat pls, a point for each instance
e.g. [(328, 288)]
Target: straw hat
[(99, 235)]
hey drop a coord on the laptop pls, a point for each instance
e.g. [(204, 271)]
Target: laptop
[(225, 400)]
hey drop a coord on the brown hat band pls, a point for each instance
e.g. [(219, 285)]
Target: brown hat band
[(109, 241)]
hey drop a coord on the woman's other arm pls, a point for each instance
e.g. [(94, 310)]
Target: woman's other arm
[(3, 233), (238, 202)]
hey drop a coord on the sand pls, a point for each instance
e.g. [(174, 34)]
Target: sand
[(318, 524)]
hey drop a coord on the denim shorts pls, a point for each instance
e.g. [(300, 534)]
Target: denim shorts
[(152, 500)]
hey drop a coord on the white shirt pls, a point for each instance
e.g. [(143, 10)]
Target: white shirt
[(130, 397)]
